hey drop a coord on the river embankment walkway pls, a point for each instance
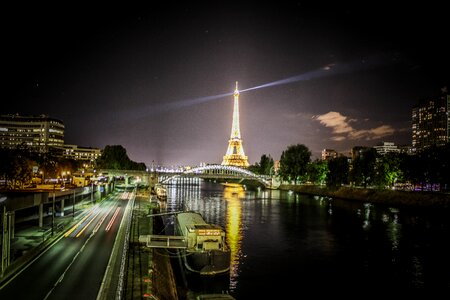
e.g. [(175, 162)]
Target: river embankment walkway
[(150, 273), (380, 196)]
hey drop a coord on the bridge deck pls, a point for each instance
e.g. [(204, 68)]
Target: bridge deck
[(163, 241)]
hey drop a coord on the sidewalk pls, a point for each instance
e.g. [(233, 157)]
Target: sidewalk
[(149, 274)]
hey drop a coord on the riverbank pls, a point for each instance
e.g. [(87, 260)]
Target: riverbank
[(149, 273), (388, 197)]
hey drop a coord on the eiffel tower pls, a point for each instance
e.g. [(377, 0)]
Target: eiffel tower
[(235, 155)]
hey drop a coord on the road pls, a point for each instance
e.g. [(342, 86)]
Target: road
[(73, 268)]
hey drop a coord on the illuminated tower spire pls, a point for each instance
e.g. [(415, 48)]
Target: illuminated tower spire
[(235, 155), (235, 131)]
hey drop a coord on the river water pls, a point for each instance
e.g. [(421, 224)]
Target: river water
[(286, 243)]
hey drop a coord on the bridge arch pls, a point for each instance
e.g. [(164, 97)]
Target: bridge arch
[(220, 171)]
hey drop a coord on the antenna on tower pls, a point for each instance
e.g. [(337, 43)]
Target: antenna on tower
[(237, 86)]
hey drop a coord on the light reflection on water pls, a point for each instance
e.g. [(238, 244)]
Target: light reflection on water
[(319, 240), (211, 206), (234, 233)]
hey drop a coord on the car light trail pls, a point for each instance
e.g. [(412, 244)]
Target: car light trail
[(78, 224), (87, 225), (111, 222), (103, 219)]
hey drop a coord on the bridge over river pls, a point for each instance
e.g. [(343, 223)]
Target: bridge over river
[(205, 172)]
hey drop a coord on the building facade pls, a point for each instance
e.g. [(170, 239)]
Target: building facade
[(38, 133), (386, 147), (81, 153), (430, 122), (328, 154)]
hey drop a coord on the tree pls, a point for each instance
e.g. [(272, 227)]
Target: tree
[(263, 167), (338, 171), (411, 167), (255, 168), (22, 172), (115, 157), (294, 161), (363, 167), (388, 170), (16, 166), (435, 165), (7, 158), (318, 171), (48, 164), (265, 164)]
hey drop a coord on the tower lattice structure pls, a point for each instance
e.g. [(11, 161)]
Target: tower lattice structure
[(235, 155)]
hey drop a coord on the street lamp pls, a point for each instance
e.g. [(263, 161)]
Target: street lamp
[(42, 176), (63, 175), (92, 186)]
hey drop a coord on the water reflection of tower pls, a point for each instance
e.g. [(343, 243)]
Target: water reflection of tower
[(234, 232)]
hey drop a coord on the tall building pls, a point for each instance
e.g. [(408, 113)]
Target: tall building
[(39, 133), (431, 121), (235, 155)]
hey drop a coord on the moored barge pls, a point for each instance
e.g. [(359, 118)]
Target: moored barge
[(207, 252)]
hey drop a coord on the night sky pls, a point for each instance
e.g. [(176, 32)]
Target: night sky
[(141, 76)]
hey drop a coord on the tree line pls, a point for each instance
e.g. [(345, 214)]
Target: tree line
[(366, 168), (16, 165)]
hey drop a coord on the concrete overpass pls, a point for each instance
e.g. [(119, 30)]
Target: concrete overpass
[(131, 176)]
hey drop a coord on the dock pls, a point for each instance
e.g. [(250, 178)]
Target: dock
[(163, 241)]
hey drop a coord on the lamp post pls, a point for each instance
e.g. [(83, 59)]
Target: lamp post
[(63, 175), (73, 206), (69, 178), (42, 176), (53, 210), (6, 228), (92, 191)]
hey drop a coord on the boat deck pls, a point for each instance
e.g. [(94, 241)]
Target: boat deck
[(163, 241)]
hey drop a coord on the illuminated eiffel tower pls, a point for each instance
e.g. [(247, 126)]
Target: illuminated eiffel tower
[(235, 155)]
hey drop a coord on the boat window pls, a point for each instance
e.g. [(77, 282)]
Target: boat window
[(200, 246)]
